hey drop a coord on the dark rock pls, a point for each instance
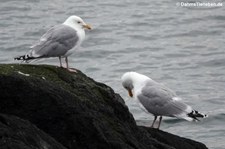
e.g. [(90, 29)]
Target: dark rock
[(77, 111), (174, 140), (20, 134)]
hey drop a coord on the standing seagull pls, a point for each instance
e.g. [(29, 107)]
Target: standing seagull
[(60, 41), (157, 99)]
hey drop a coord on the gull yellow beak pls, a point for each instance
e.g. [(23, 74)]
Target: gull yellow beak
[(130, 93), (87, 26)]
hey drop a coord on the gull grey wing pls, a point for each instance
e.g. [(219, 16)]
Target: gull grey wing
[(55, 42), (158, 100)]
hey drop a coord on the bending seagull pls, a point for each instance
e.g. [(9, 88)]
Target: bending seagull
[(157, 99), (60, 41)]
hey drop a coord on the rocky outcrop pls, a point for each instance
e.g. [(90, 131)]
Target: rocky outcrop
[(20, 134), (77, 111)]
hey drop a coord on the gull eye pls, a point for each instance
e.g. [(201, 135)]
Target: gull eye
[(78, 22)]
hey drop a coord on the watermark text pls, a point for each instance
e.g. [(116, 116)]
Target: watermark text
[(199, 4)]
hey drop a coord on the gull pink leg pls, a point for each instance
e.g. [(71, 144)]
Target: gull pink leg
[(160, 119), (67, 66), (60, 61), (152, 126)]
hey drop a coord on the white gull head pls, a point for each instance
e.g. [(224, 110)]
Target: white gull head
[(76, 23), (131, 80)]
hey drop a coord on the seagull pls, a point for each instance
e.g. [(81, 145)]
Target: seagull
[(157, 99), (59, 41)]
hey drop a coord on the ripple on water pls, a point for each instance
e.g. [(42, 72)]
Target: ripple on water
[(213, 63)]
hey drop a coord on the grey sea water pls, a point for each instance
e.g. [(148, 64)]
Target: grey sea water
[(181, 47)]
